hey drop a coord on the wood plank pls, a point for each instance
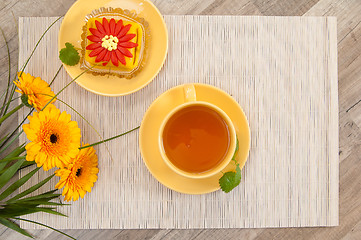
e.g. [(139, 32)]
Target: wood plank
[(284, 7), (347, 12), (181, 7), (231, 7), (177, 234), (355, 232)]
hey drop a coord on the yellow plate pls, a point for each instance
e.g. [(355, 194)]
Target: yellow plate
[(148, 137), (71, 29)]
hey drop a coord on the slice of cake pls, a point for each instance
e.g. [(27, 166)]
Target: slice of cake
[(114, 43)]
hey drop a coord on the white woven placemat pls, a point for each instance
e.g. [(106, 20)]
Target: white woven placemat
[(281, 70)]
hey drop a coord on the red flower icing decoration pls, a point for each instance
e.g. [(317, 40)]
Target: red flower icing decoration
[(111, 42)]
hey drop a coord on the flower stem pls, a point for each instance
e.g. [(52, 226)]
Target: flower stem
[(106, 140), (2, 149), (9, 77), (66, 86), (56, 230), (12, 100), (12, 134), (56, 74), (37, 44), (11, 113), (7, 105)]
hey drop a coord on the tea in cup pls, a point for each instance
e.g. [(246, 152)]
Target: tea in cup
[(197, 139)]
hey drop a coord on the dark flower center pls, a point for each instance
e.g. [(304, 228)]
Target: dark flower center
[(78, 173), (53, 138)]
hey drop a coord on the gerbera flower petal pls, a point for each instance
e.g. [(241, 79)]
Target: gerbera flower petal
[(30, 134), (114, 59), (106, 26), (60, 184), (82, 193), (40, 159), (127, 37), (112, 25), (95, 52), (79, 176), (124, 30), (101, 55), (125, 52), (94, 38), (54, 138), (127, 44), (65, 117), (107, 56), (42, 116), (100, 27), (120, 56), (93, 46), (33, 147), (118, 27), (95, 32)]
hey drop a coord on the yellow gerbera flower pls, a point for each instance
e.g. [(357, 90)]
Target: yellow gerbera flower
[(35, 89), (55, 139), (79, 176)]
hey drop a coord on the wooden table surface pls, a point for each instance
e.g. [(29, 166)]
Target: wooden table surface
[(349, 75)]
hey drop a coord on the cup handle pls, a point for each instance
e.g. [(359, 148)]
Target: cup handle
[(189, 93)]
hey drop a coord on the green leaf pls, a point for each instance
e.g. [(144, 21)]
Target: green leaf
[(69, 55), (17, 184), (238, 175), (2, 165), (22, 208), (5, 160), (14, 226), (3, 139), (3, 147), (5, 177), (48, 195), (51, 211), (31, 189), (27, 164), (48, 203), (230, 180), (56, 230), (15, 153), (14, 210), (3, 118)]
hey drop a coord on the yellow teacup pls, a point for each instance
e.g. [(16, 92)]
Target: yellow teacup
[(197, 139)]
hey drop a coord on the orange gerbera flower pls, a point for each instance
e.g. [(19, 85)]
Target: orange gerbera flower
[(55, 139), (79, 176), (35, 90)]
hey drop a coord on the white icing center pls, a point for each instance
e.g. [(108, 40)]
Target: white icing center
[(110, 42)]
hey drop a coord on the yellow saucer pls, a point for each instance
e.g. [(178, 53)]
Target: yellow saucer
[(71, 30), (148, 137)]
